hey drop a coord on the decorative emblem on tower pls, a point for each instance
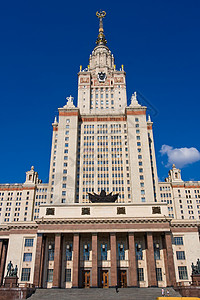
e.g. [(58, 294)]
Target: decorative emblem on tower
[(101, 77), (101, 36)]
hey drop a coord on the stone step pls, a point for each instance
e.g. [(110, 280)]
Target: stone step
[(106, 294)]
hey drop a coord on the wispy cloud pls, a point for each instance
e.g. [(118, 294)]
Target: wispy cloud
[(180, 156)]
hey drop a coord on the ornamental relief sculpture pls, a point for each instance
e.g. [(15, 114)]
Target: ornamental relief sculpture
[(84, 80), (119, 80)]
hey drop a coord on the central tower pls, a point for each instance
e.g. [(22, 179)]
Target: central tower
[(102, 144), (101, 88)]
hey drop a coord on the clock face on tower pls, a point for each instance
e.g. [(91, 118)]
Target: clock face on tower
[(101, 77)]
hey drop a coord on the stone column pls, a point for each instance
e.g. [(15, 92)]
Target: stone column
[(3, 261), (76, 249), (165, 261), (132, 261), (42, 261), (113, 259), (151, 266), (170, 259), (94, 260), (38, 261), (57, 262)]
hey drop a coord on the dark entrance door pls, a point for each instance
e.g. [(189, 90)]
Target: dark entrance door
[(86, 279), (123, 279), (104, 279)]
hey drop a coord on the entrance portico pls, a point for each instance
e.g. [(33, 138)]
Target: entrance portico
[(105, 253)]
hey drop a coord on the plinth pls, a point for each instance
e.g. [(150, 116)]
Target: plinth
[(196, 279), (11, 281)]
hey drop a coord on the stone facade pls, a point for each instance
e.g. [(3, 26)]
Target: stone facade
[(63, 240)]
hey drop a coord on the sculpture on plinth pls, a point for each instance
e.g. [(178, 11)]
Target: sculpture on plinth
[(103, 198), (196, 269), (196, 273), (11, 279)]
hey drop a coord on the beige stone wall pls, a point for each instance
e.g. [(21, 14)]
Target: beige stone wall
[(16, 250), (191, 247), (104, 211)]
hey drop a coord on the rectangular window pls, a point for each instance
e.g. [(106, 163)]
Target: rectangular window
[(158, 274), (140, 274), (69, 252), (86, 252), (26, 274), (27, 257), (178, 240), (49, 275), (156, 252), (182, 271), (51, 252), (180, 255), (103, 251), (121, 251), (68, 275), (138, 251), (28, 242)]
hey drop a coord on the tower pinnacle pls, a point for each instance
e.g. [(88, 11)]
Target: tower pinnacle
[(101, 36)]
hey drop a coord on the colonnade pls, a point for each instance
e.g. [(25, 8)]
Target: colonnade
[(132, 269)]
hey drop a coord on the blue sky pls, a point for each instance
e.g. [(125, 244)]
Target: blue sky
[(44, 42)]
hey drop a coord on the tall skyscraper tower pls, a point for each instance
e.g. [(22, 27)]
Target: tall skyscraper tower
[(67, 232), (103, 144)]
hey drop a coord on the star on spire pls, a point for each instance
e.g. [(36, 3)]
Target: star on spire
[(101, 40)]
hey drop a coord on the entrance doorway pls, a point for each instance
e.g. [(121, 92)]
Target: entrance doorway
[(104, 279), (86, 279), (123, 279)]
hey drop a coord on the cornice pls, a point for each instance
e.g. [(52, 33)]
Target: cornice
[(185, 223), (103, 221), (23, 226)]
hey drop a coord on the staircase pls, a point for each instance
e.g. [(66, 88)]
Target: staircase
[(105, 294)]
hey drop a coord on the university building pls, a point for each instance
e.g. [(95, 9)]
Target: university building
[(103, 219)]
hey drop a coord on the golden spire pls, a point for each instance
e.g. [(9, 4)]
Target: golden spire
[(101, 37)]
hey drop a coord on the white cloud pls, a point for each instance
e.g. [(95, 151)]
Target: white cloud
[(180, 156)]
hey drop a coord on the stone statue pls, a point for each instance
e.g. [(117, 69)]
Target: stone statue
[(15, 271), (9, 269), (103, 198), (196, 269)]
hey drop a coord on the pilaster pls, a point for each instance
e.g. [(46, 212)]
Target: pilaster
[(94, 260), (76, 249), (151, 266), (113, 258), (57, 262), (170, 260), (132, 261), (38, 262)]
